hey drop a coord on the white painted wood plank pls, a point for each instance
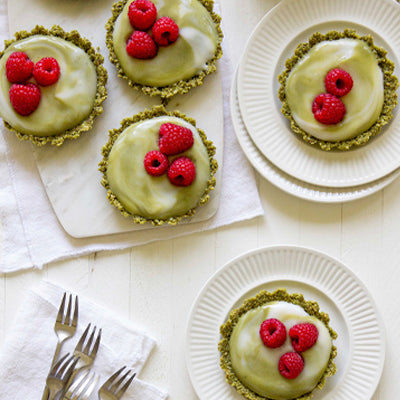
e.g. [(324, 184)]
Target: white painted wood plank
[(151, 297), (281, 223), (110, 279)]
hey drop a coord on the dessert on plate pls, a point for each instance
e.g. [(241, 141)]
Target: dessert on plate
[(338, 90), (164, 47), (52, 85), (158, 167), (277, 346)]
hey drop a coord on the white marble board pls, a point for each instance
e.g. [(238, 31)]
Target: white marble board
[(70, 173)]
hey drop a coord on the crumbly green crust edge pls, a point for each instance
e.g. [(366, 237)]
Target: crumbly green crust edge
[(390, 86), (101, 91), (261, 298), (156, 111), (180, 87)]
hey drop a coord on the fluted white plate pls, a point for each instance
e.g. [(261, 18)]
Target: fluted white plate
[(354, 316), (272, 42), (290, 184)]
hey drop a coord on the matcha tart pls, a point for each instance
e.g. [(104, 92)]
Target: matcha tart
[(164, 47), (277, 346), (338, 90), (52, 85), (158, 167)]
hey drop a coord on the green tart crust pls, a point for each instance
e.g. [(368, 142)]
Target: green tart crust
[(261, 298), (390, 86), (156, 111), (101, 92), (179, 87)]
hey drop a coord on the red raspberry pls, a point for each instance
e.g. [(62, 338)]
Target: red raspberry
[(174, 139), (273, 333), (46, 71), (165, 31), (25, 99), (156, 163), (141, 45), (303, 336), (182, 172), (290, 365), (338, 82), (142, 14), (19, 67), (328, 109)]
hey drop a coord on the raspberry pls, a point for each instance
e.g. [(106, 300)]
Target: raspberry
[(141, 45), (338, 82), (46, 71), (165, 31), (273, 333), (25, 99), (174, 139), (303, 336), (155, 163), (328, 109), (142, 14), (19, 67), (290, 365), (182, 172)]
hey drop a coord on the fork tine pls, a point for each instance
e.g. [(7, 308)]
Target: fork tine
[(64, 365), (88, 388), (115, 385), (70, 370), (57, 365), (96, 345), (86, 382), (79, 345), (89, 342), (110, 380), (68, 314), (61, 309), (75, 318), (77, 383), (125, 387)]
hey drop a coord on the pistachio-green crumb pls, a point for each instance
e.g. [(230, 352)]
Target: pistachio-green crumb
[(390, 86), (156, 111), (101, 92), (264, 297)]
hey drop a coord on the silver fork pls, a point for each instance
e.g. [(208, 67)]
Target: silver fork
[(59, 375), (82, 388), (65, 327), (86, 353), (114, 389)]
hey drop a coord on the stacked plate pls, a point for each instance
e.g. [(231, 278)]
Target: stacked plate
[(265, 135)]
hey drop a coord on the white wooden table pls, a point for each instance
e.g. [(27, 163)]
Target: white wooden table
[(155, 285)]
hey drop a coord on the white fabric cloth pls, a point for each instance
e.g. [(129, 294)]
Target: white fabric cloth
[(27, 352), (32, 235)]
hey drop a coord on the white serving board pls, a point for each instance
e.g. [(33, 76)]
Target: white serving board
[(70, 173)]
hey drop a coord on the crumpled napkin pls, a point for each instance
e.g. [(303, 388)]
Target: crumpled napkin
[(26, 354)]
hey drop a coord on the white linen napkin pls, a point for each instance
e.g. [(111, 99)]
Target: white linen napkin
[(32, 235), (27, 352)]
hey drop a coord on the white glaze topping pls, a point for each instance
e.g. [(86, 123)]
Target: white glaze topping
[(146, 195), (363, 103), (257, 365), (64, 104)]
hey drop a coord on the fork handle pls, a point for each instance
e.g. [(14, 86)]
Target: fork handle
[(46, 391)]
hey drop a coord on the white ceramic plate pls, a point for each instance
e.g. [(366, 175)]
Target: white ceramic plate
[(272, 42), (361, 343), (292, 185)]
